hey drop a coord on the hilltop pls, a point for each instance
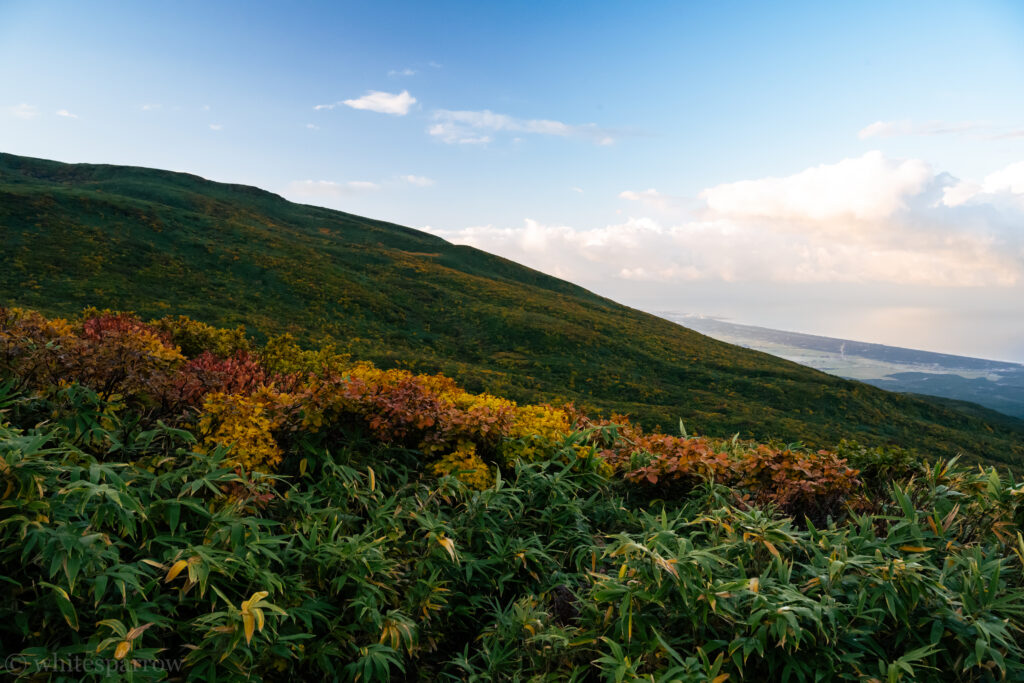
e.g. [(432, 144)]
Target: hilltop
[(161, 243)]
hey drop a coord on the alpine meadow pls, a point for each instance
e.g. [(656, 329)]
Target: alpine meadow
[(463, 342), (281, 484)]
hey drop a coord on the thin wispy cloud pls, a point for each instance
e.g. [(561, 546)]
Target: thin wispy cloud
[(397, 104), (150, 107), (23, 111), (650, 198), (891, 129), (401, 72), (64, 113), (418, 180), (1008, 135), (477, 127), (217, 126), (312, 126), (330, 188)]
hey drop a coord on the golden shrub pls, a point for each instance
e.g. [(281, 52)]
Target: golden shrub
[(245, 423), (537, 432), (464, 464)]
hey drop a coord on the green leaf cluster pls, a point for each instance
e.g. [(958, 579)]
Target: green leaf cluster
[(120, 543)]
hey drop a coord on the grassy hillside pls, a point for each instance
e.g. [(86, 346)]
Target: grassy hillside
[(160, 243)]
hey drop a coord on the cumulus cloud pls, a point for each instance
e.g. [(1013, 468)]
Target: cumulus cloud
[(397, 104), (889, 129), (329, 188), (23, 111), (869, 187), (476, 127), (66, 114), (1009, 179), (418, 180), (1003, 187), (865, 220)]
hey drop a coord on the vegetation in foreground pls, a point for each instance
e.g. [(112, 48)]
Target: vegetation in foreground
[(179, 503), (153, 241)]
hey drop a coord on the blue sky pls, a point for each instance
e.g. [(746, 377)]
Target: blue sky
[(840, 168)]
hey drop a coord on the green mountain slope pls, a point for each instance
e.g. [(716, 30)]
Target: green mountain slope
[(159, 243)]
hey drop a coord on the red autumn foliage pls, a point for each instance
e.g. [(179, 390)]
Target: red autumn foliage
[(116, 353), (240, 373)]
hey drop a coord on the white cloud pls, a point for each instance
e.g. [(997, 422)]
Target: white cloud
[(474, 127), (23, 111), (1004, 184), (959, 193), (329, 188), (1008, 135), (868, 220), (577, 189), (864, 188), (1009, 179), (453, 134), (402, 72), (650, 198), (889, 129), (378, 101), (418, 180), (150, 107), (66, 114), (216, 126), (312, 126), (362, 185)]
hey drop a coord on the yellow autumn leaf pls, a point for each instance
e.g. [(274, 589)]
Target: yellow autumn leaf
[(720, 678), (137, 631), (667, 565), (914, 548), (122, 649), (448, 544), (754, 584), (373, 479), (249, 624), (176, 569), (251, 602)]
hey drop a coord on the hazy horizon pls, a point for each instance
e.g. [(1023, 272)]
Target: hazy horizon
[(848, 171)]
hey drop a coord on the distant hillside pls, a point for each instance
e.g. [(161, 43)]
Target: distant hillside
[(159, 243), (994, 384)]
